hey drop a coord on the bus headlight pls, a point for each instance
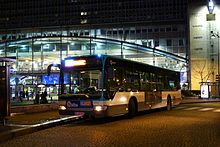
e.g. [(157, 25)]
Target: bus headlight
[(100, 108), (62, 108)]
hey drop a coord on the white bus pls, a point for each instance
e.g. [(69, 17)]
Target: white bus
[(103, 86)]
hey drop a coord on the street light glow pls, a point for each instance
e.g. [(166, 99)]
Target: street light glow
[(211, 6)]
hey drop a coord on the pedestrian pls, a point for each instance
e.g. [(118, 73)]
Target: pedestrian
[(37, 98), (23, 94), (44, 98), (20, 96), (27, 95), (45, 94)]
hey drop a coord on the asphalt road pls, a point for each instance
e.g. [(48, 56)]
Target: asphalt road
[(189, 125)]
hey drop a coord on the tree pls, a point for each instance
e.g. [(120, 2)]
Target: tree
[(202, 71)]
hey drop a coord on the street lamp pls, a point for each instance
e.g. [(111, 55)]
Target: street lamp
[(213, 36), (211, 6), (216, 35)]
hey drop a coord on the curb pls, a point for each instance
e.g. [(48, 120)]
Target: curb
[(199, 101), (27, 129), (34, 108)]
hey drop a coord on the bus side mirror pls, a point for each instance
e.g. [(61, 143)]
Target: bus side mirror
[(49, 68)]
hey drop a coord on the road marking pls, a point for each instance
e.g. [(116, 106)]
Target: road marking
[(205, 109), (46, 122), (181, 107), (216, 110), (192, 108), (201, 109)]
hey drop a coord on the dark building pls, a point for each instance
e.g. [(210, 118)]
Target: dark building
[(68, 13)]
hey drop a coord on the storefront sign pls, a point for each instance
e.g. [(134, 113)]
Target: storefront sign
[(204, 91)]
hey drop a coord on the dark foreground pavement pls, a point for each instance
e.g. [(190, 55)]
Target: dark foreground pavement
[(23, 123)]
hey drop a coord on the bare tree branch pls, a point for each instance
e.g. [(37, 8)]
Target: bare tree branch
[(199, 69)]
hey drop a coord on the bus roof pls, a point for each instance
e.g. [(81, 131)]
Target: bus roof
[(126, 61)]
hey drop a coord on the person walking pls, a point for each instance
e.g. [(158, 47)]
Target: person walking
[(37, 98), (44, 97)]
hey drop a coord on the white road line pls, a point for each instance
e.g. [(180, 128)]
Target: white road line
[(216, 110), (205, 109), (47, 122), (192, 108), (178, 108)]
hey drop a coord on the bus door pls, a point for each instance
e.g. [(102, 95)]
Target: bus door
[(152, 94), (152, 97)]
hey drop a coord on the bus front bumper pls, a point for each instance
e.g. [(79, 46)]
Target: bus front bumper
[(96, 112)]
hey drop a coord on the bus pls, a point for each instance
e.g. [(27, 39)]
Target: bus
[(104, 86)]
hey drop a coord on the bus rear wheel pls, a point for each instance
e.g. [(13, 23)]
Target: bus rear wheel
[(169, 103), (131, 108)]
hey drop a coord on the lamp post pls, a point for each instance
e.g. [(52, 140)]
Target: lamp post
[(216, 35), (211, 6)]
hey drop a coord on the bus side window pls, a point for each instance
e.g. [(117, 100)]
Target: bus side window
[(159, 86), (110, 73), (113, 84), (127, 86), (136, 85), (143, 86)]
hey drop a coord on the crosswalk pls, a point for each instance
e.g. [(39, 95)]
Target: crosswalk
[(195, 108)]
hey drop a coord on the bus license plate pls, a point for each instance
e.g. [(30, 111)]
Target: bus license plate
[(79, 113), (85, 103), (79, 104)]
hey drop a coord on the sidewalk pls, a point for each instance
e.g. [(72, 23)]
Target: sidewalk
[(187, 100), (24, 123), (21, 124)]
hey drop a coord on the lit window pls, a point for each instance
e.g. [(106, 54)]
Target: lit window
[(169, 42), (83, 21), (181, 42), (156, 43), (83, 13)]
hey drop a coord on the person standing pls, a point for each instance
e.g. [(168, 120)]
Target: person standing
[(44, 97), (20, 96), (27, 95), (37, 98)]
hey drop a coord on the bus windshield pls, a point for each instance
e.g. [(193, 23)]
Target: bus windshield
[(84, 82)]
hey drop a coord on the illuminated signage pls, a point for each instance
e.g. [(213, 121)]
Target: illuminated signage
[(71, 62), (204, 91)]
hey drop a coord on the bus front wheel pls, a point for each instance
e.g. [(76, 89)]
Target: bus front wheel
[(169, 103)]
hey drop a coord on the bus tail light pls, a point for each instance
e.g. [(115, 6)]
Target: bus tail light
[(100, 108)]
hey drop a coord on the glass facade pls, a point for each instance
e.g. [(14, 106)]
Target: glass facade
[(34, 55)]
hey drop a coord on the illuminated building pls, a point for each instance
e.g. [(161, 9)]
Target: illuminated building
[(40, 32), (204, 20)]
